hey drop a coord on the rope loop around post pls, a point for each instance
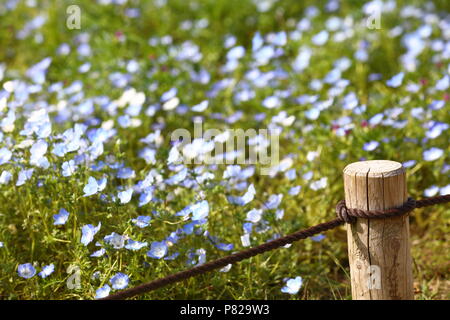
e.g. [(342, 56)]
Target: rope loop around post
[(349, 215)]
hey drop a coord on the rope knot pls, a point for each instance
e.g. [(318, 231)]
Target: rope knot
[(343, 213), (349, 215)]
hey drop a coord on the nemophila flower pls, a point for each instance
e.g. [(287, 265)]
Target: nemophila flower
[(117, 241), (271, 102), (102, 292), (157, 250), (24, 175), (279, 214), (443, 84), (409, 164), (245, 199), (432, 154), (318, 237), (436, 129), (47, 270), (444, 190), (119, 281), (5, 177), (319, 184), (125, 196), (26, 270), (5, 155), (68, 168), (37, 72), (61, 217), (274, 201), (320, 38), (88, 233), (224, 246), (291, 174), (431, 191), (370, 146), (292, 285), (142, 221), (376, 119), (93, 186), (396, 80), (226, 268), (2, 244), (98, 253), (293, 191), (125, 173), (200, 210), (135, 245), (202, 106), (173, 256), (254, 215), (245, 240)]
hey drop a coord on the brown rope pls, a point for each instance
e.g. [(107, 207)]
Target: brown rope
[(344, 215)]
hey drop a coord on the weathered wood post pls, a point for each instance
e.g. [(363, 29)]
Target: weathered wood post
[(378, 249)]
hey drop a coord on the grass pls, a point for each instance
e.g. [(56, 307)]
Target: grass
[(26, 212)]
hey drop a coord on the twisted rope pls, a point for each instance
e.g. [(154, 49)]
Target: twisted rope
[(344, 215)]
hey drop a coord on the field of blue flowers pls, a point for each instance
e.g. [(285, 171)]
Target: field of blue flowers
[(94, 199)]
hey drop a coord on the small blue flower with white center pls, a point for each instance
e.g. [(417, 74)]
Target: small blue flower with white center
[(61, 218), (98, 253), (200, 210), (88, 233), (396, 80), (26, 270), (47, 270), (125, 196), (157, 250), (318, 238), (119, 281), (292, 285), (432, 154), (370, 146), (135, 245), (142, 221), (254, 215), (102, 292)]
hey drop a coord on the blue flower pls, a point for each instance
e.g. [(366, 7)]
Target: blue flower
[(115, 240), (94, 186), (61, 218), (294, 190), (254, 215), (318, 238), (26, 270), (125, 196), (98, 253), (370, 146), (432, 154), (88, 233), (245, 199), (200, 210), (68, 168), (102, 292), (292, 285), (142, 221), (135, 245), (24, 175), (157, 250), (47, 270), (119, 281), (396, 80)]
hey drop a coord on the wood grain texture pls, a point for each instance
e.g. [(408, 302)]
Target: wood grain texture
[(379, 250)]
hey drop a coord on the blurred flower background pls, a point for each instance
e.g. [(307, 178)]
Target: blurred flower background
[(90, 95)]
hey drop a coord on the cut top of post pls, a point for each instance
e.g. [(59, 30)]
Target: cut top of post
[(372, 168)]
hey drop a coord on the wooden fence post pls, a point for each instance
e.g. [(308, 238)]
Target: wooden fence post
[(378, 249)]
